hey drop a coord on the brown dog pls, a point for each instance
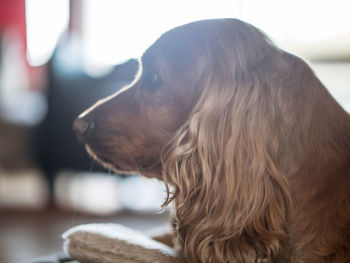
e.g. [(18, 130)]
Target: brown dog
[(254, 150)]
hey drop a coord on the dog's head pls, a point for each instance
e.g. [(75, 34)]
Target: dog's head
[(128, 130)]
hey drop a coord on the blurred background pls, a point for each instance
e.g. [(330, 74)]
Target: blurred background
[(57, 57)]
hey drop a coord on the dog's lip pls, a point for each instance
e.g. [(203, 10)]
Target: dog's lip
[(100, 158), (107, 162), (117, 168), (110, 165)]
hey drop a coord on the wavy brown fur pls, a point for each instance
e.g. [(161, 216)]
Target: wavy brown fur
[(254, 151)]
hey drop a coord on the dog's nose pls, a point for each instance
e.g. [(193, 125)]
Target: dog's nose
[(83, 127)]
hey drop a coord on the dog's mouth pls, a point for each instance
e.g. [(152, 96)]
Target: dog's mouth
[(107, 163), (151, 169)]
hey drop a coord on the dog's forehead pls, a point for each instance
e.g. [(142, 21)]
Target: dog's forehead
[(178, 46)]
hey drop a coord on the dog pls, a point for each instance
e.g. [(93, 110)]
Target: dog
[(253, 150)]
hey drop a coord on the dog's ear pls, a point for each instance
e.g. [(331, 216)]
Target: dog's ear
[(231, 198)]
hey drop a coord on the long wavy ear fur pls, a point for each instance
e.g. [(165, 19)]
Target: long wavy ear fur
[(231, 197)]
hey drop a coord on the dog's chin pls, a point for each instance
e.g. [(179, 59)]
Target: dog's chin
[(108, 164), (150, 170)]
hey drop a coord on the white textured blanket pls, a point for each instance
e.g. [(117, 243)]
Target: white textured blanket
[(113, 243)]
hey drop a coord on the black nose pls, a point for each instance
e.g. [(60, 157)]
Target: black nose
[(83, 127)]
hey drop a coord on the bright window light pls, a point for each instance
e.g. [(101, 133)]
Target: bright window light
[(314, 29), (46, 20), (115, 31), (300, 20)]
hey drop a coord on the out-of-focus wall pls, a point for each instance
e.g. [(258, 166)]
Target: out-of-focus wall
[(336, 78)]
